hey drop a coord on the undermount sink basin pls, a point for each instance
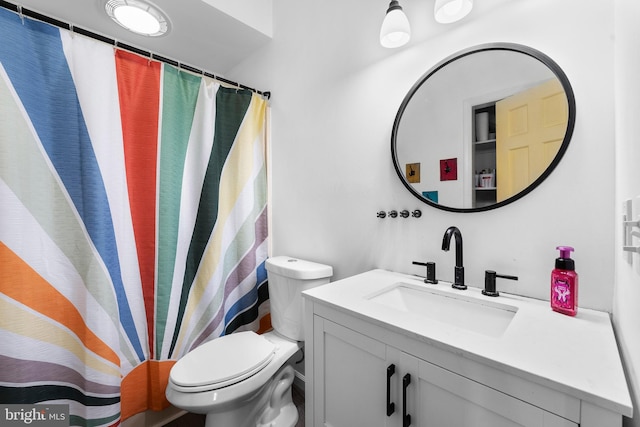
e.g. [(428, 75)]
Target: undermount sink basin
[(485, 317)]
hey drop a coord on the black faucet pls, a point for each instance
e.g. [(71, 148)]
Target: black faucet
[(458, 282)]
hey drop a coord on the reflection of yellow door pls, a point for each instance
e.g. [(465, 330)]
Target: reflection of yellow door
[(530, 127)]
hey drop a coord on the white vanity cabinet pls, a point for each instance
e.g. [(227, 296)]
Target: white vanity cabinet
[(368, 366), (360, 381)]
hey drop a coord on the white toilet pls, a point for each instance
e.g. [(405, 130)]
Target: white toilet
[(244, 379)]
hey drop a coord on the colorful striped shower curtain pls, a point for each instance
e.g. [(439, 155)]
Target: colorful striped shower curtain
[(132, 220)]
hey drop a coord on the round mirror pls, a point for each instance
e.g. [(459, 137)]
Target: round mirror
[(483, 127)]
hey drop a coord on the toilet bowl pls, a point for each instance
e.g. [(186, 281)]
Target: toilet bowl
[(244, 379)]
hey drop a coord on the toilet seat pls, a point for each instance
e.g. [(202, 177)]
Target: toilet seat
[(222, 362)]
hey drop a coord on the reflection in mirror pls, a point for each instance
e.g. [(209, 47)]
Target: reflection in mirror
[(483, 128)]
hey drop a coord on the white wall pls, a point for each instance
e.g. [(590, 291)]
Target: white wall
[(335, 95), (255, 13), (627, 290)]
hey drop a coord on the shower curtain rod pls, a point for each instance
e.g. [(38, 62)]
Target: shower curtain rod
[(49, 20)]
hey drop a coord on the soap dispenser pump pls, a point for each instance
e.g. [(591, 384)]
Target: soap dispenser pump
[(564, 283)]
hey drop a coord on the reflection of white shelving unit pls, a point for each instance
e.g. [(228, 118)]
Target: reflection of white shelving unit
[(484, 154)]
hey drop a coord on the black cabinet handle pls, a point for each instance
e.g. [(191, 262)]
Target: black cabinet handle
[(406, 418), (391, 407)]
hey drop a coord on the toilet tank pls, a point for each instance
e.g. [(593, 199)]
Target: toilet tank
[(288, 278)]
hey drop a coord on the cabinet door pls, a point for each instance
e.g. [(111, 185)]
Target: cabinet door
[(349, 378), (446, 399)]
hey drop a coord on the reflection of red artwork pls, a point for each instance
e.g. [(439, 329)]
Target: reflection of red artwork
[(449, 169)]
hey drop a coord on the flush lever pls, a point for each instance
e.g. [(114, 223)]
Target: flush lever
[(490, 282)]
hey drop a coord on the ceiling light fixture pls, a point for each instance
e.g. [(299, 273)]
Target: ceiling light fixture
[(138, 16), (395, 31), (448, 11)]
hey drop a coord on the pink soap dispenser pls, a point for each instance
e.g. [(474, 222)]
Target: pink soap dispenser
[(564, 283)]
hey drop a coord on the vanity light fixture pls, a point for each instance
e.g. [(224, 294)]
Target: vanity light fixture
[(395, 31), (138, 16), (448, 11)]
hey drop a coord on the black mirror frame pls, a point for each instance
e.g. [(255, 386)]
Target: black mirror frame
[(555, 68)]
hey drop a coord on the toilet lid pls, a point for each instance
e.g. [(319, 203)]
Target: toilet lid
[(223, 361)]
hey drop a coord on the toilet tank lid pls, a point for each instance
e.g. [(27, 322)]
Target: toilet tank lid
[(297, 268)]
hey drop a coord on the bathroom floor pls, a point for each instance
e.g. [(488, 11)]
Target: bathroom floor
[(298, 399), (197, 420)]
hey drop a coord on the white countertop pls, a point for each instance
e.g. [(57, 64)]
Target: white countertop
[(575, 355)]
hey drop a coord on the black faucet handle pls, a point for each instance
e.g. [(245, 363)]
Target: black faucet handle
[(490, 282), (431, 271)]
